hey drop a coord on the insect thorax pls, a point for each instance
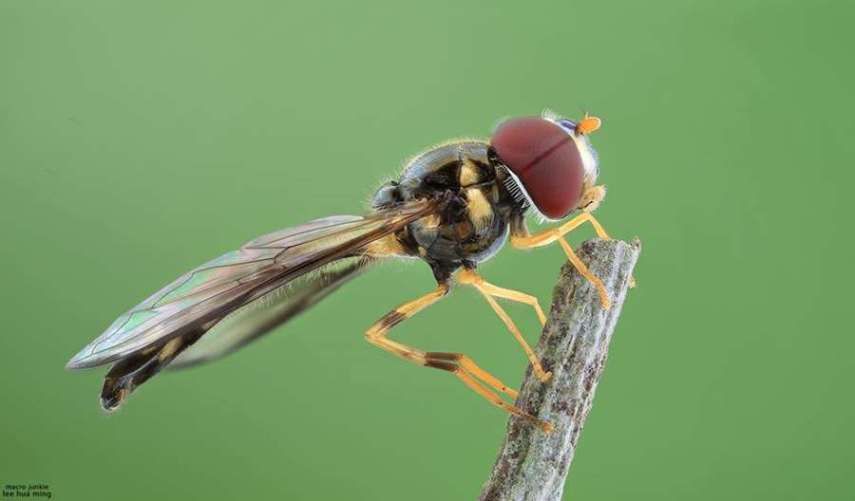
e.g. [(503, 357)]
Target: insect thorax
[(472, 224)]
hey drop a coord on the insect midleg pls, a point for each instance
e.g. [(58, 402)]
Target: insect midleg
[(446, 361), (457, 363), (489, 291)]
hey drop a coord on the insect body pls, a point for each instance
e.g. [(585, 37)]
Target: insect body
[(472, 224), (454, 206)]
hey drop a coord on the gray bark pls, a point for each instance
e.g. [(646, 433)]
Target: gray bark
[(532, 465)]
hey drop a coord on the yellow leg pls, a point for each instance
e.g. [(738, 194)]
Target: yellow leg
[(489, 291), (551, 235), (605, 302), (457, 363), (376, 334)]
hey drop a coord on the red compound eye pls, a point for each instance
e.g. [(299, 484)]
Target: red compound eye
[(545, 159)]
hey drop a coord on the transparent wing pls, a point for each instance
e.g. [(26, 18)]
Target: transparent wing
[(253, 320), (207, 294)]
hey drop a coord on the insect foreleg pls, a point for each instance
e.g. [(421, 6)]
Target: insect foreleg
[(546, 237), (551, 235)]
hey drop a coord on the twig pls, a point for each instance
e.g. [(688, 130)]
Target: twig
[(533, 465)]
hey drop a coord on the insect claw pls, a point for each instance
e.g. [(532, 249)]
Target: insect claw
[(544, 377), (545, 426)]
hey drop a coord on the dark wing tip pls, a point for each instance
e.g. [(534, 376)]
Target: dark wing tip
[(112, 399)]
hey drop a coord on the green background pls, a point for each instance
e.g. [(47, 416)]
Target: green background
[(138, 139)]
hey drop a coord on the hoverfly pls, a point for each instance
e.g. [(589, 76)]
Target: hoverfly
[(454, 206)]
